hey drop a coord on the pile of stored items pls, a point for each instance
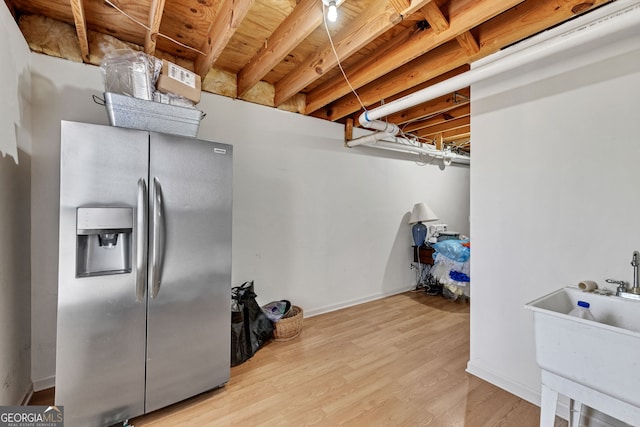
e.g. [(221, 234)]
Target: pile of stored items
[(451, 267), (253, 326), (143, 92)]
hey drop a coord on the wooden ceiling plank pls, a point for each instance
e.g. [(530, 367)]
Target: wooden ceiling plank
[(455, 113), (438, 141), (529, 18), (377, 19), (400, 5), (434, 17), (446, 126), (466, 15), (348, 131), (468, 43), (81, 28), (229, 17), (155, 17), (440, 78), (435, 106), (450, 135), (425, 68), (509, 27), (296, 27)]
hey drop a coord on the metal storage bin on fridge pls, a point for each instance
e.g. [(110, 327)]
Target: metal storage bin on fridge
[(128, 112)]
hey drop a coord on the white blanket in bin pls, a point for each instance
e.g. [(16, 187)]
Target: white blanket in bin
[(441, 271)]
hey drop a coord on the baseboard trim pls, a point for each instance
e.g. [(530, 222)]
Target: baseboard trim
[(590, 417), (44, 383), (26, 397), (356, 301)]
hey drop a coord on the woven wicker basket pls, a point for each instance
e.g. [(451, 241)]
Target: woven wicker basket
[(290, 326)]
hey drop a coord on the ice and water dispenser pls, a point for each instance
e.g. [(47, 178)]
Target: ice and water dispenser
[(104, 239)]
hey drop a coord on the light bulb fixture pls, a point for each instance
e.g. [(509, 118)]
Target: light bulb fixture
[(332, 12)]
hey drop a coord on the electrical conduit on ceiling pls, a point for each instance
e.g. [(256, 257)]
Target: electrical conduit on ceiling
[(626, 15)]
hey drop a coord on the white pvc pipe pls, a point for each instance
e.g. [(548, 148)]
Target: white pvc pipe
[(587, 33), (431, 152), (390, 128), (369, 139), (414, 149)]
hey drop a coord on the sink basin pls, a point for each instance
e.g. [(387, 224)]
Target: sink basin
[(603, 356)]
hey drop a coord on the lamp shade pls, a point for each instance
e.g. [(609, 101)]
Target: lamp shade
[(422, 213)]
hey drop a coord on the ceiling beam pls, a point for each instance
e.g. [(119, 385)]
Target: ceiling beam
[(434, 17), (155, 17), (507, 28), (81, 28), (442, 77), (455, 113), (296, 27), (226, 22), (377, 19), (468, 43), (400, 5), (462, 132), (464, 15), (447, 126), (435, 106), (427, 67)]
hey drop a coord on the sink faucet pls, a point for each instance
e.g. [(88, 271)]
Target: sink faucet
[(633, 292), (634, 263), (622, 286)]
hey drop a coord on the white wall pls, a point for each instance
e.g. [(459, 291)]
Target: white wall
[(314, 222), (555, 196), (15, 168)]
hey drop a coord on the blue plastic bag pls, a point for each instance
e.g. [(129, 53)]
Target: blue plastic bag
[(453, 249)]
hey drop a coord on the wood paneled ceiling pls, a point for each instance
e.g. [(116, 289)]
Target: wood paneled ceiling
[(277, 52)]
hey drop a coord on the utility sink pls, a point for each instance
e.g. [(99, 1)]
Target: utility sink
[(598, 361)]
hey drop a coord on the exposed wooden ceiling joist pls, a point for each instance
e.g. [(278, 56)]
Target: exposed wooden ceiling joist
[(436, 106), (379, 18), (454, 134), (434, 17), (305, 18), (440, 78), (227, 22), (454, 124), (426, 67), (468, 43), (271, 51), (155, 18), (77, 8), (462, 17), (438, 118), (517, 23)]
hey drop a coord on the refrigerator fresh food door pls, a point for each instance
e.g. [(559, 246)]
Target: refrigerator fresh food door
[(188, 328), (100, 352)]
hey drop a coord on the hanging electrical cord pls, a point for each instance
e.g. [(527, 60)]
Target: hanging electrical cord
[(326, 27), (146, 27), (407, 137)]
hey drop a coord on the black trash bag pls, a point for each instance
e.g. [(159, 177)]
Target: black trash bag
[(250, 327)]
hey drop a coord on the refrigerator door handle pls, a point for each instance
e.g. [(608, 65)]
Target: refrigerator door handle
[(157, 254), (142, 212)]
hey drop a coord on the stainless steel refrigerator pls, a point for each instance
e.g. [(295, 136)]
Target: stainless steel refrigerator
[(144, 271)]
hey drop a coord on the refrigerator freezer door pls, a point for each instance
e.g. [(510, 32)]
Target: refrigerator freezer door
[(188, 328), (100, 351)]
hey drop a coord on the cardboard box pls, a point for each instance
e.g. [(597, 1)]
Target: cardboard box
[(180, 81)]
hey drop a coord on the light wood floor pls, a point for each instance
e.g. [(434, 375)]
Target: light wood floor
[(399, 361)]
